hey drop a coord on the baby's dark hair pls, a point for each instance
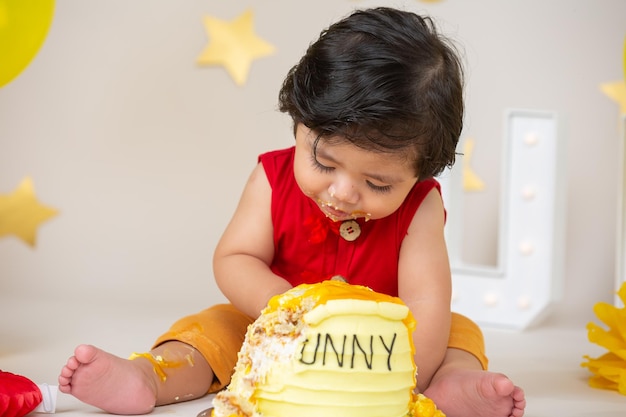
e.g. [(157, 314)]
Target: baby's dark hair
[(385, 80)]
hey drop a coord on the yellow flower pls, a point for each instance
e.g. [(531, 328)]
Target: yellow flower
[(609, 369)]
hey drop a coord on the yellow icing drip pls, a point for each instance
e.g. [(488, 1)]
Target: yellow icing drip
[(158, 363), (359, 213), (422, 406), (325, 291)]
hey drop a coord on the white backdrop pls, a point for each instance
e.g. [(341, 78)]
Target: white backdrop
[(144, 153)]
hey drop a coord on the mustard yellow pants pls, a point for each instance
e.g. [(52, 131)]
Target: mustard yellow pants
[(219, 331)]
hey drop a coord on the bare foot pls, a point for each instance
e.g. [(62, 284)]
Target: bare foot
[(116, 385), (469, 393)]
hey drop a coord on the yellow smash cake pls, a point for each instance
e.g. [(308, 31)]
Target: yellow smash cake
[(330, 349)]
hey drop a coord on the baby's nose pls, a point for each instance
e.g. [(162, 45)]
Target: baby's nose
[(344, 191)]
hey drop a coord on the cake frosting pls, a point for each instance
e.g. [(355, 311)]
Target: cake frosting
[(329, 349)]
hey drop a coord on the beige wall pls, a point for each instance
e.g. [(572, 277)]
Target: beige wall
[(144, 153)]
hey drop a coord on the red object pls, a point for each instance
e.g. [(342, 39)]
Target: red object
[(18, 395), (308, 246)]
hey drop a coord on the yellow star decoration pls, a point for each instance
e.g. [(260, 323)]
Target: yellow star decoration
[(609, 369), (471, 181), (21, 213), (233, 45), (617, 92)]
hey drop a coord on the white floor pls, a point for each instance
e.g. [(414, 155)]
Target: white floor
[(37, 336)]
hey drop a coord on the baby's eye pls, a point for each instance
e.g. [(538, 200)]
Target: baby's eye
[(379, 188), (320, 167)]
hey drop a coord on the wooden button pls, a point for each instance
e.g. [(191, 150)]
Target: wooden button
[(350, 230)]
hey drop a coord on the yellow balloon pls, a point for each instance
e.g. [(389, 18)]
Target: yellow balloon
[(24, 25)]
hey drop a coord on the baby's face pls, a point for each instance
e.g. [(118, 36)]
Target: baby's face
[(349, 182)]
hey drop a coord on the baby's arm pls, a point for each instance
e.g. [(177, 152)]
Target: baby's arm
[(424, 284), (246, 249)]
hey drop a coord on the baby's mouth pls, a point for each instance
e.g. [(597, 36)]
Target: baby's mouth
[(336, 214)]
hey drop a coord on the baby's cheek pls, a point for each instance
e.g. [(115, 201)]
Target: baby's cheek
[(385, 209), (308, 193)]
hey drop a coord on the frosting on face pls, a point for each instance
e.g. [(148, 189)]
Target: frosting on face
[(333, 212), (330, 349)]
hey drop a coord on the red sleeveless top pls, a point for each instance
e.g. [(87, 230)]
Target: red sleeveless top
[(307, 244)]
